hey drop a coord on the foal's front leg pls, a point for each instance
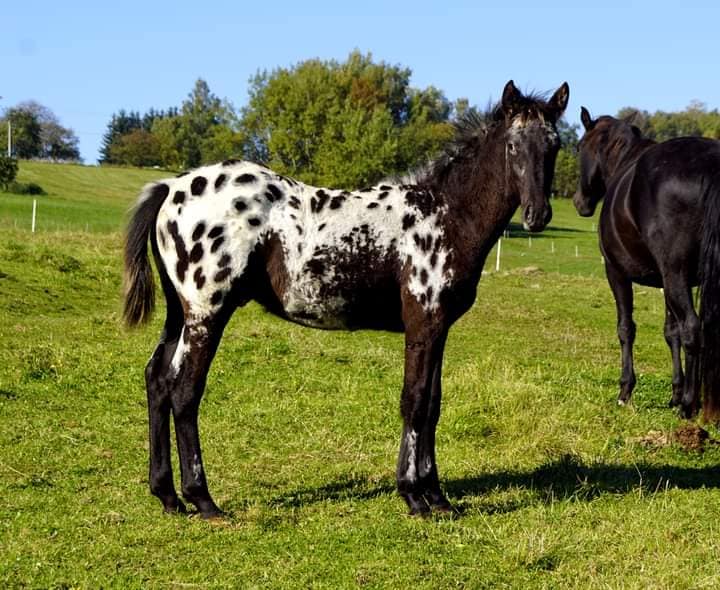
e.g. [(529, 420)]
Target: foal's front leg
[(417, 476), (621, 288)]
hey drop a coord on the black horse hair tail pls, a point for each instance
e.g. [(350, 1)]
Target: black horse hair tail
[(710, 301), (139, 282)]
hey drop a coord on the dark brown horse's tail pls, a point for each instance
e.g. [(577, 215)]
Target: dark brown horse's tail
[(710, 302), (139, 282)]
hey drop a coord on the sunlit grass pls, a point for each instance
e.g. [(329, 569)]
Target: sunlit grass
[(301, 429)]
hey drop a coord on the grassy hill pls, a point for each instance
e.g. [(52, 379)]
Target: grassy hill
[(557, 486), (88, 198)]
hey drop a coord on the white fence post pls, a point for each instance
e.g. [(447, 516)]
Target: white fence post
[(34, 213), (497, 259)]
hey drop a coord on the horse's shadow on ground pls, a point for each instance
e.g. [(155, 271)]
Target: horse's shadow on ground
[(518, 231), (563, 479)]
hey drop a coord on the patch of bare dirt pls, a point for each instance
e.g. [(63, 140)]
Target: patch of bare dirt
[(689, 436)]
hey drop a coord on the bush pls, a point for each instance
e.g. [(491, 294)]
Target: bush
[(8, 171), (25, 188)]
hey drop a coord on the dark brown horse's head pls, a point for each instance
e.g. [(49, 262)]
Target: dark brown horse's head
[(532, 144), (606, 145)]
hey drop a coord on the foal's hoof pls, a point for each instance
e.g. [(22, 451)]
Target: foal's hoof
[(688, 412), (623, 398), (444, 508), (439, 503), (417, 505)]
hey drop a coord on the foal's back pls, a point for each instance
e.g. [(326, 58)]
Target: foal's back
[(321, 257)]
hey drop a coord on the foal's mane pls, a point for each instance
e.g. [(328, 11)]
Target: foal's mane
[(472, 132)]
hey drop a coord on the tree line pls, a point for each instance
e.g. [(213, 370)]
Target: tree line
[(343, 124), (38, 134)]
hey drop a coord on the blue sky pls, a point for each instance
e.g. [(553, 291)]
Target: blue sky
[(86, 60)]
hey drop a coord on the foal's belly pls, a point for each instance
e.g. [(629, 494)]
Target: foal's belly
[(376, 308)]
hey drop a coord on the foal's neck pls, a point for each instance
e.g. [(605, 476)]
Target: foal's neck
[(479, 206)]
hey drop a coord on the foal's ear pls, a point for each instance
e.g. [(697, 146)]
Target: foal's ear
[(586, 119), (558, 102), (511, 99)]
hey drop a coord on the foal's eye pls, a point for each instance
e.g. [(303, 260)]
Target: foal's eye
[(512, 149)]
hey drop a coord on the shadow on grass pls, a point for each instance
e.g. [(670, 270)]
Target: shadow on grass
[(568, 478), (517, 231), (562, 479), (350, 488)]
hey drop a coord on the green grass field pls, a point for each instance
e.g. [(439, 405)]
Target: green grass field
[(557, 486)]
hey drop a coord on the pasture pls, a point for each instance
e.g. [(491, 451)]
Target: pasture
[(557, 486)]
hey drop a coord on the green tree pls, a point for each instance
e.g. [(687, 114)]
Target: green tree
[(121, 123), (137, 148), (568, 134), (200, 114), (221, 143), (37, 133), (343, 124), (8, 170), (26, 132), (695, 120), (59, 143), (166, 132), (567, 173)]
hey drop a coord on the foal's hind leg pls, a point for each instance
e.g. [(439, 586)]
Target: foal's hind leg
[(158, 397), (622, 291), (672, 337), (191, 363)]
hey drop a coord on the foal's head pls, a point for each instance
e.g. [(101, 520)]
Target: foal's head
[(603, 148), (531, 146)]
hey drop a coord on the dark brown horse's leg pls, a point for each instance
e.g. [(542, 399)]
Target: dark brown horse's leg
[(622, 291), (158, 397), (678, 297), (416, 471), (192, 362), (672, 337)]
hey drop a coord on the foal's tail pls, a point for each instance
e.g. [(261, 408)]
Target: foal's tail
[(139, 282), (710, 302)]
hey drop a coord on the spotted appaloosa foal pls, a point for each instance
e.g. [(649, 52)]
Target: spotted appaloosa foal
[(391, 257)]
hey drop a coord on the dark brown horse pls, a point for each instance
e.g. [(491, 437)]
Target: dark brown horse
[(660, 227), (391, 257)]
